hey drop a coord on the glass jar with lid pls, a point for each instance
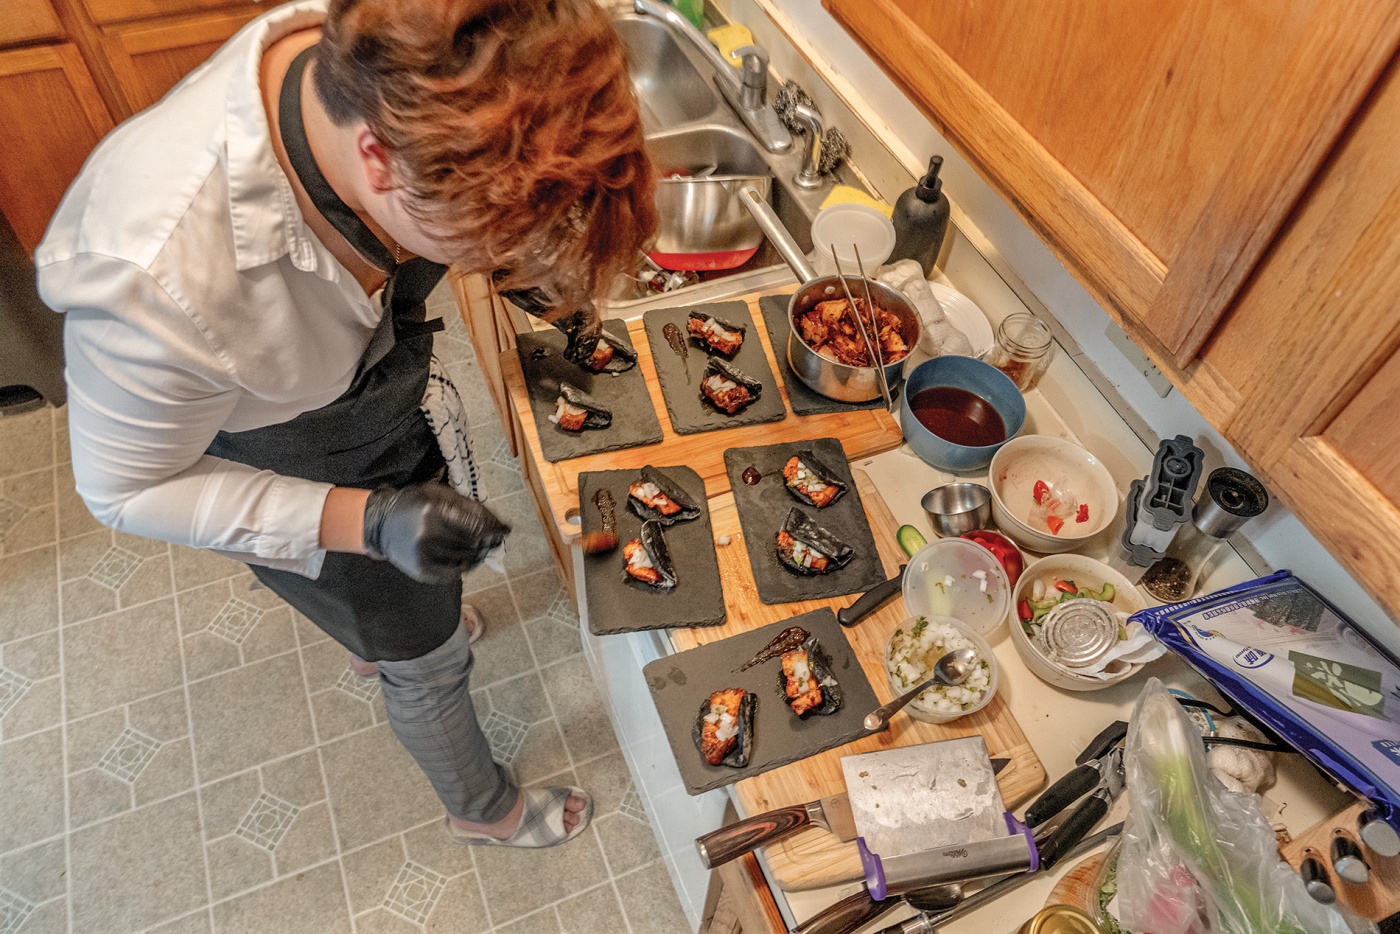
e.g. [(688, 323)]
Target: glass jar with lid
[(1023, 349)]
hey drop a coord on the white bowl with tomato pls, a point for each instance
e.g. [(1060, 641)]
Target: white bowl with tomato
[(1050, 495), (1052, 580)]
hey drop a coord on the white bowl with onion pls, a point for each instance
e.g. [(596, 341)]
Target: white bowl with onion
[(915, 647)]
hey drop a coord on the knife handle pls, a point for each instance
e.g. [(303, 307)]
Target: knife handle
[(1074, 829), (871, 600), (1068, 789), (732, 840), (849, 914)]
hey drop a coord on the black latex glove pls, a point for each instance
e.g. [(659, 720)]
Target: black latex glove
[(581, 325), (430, 531)]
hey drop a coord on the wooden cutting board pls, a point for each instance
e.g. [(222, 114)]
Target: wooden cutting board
[(814, 858), (863, 432)]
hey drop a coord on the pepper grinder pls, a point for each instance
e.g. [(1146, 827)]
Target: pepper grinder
[(1232, 497)]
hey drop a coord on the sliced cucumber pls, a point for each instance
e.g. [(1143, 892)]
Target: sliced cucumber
[(910, 539)]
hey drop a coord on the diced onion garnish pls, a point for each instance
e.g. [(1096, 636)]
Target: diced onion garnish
[(912, 653)]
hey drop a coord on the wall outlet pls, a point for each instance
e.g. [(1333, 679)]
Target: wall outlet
[(1120, 339)]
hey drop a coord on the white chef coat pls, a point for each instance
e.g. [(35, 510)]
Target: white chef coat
[(197, 299)]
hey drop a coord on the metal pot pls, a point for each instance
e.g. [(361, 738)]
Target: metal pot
[(824, 376), (703, 224)]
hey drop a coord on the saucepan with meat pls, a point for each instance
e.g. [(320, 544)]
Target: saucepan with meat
[(826, 347)]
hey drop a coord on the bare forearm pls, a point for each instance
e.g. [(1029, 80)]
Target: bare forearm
[(343, 520)]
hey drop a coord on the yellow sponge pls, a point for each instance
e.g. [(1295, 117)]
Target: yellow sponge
[(845, 194), (729, 38)]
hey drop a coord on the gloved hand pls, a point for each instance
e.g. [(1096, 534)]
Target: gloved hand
[(430, 531), (582, 327), (580, 324)]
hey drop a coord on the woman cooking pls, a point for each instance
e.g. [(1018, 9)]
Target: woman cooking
[(243, 270)]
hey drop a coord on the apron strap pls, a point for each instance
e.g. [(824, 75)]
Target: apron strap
[(410, 282), (332, 208)]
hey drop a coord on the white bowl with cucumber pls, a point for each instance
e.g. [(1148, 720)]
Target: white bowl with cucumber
[(1055, 579)]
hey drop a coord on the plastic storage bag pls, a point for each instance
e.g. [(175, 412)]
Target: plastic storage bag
[(1194, 856)]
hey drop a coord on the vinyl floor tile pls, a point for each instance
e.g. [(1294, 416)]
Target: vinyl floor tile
[(188, 765)]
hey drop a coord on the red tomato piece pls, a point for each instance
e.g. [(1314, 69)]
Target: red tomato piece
[(1039, 490), (1083, 515), (1023, 610), (1055, 523), (1066, 587)]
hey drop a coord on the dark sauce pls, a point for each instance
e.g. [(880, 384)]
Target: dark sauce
[(787, 640), (607, 510), (751, 476), (958, 416), (675, 339)]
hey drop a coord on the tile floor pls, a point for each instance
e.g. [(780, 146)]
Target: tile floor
[(181, 753)]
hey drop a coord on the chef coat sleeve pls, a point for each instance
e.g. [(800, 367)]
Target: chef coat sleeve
[(146, 395)]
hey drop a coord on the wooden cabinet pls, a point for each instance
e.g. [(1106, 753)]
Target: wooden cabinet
[(1222, 176), (53, 115), (70, 70), (1314, 344), (149, 58), (1156, 148), (29, 21)]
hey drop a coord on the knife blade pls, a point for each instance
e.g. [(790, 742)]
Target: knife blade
[(910, 798), (832, 814)]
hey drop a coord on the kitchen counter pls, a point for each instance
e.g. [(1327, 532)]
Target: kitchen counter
[(1057, 723)]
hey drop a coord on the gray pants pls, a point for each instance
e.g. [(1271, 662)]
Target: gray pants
[(430, 711)]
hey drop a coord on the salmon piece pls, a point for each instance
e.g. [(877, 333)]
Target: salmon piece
[(816, 561), (602, 356), (648, 495), (638, 564), (712, 747), (803, 690), (820, 497)]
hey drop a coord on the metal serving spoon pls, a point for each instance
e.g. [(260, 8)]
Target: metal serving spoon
[(951, 669)]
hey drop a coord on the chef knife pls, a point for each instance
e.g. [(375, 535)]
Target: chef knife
[(832, 813)]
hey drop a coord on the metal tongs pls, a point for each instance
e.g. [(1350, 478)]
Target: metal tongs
[(871, 346)]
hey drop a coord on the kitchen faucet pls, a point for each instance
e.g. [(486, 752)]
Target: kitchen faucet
[(748, 95)]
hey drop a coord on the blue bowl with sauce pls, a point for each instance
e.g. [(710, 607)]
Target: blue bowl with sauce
[(957, 411)]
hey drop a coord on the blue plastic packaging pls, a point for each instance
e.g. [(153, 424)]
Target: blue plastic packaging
[(1281, 652)]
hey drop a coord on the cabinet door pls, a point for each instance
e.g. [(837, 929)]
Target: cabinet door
[(148, 59), (107, 12), (53, 117), (1156, 147), (28, 21), (1315, 337)]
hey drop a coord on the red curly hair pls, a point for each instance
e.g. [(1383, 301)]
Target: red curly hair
[(512, 124)]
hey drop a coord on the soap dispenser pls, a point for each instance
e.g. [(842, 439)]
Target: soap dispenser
[(921, 220)]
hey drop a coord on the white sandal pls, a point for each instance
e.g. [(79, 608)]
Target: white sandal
[(471, 622), (541, 821)]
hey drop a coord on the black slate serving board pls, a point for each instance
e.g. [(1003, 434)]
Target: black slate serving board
[(634, 420), (618, 604), (680, 683), (803, 400), (680, 379), (764, 506)]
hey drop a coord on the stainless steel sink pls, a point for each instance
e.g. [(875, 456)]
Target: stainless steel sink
[(670, 90), (689, 126)]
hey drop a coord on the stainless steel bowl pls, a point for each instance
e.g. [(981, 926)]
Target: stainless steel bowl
[(823, 375), (841, 381), (958, 508), (702, 224)]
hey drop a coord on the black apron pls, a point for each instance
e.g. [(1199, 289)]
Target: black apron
[(374, 435)]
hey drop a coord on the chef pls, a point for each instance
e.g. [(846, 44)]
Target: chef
[(243, 270)]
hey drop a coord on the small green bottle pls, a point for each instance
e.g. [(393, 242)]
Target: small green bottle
[(693, 10)]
